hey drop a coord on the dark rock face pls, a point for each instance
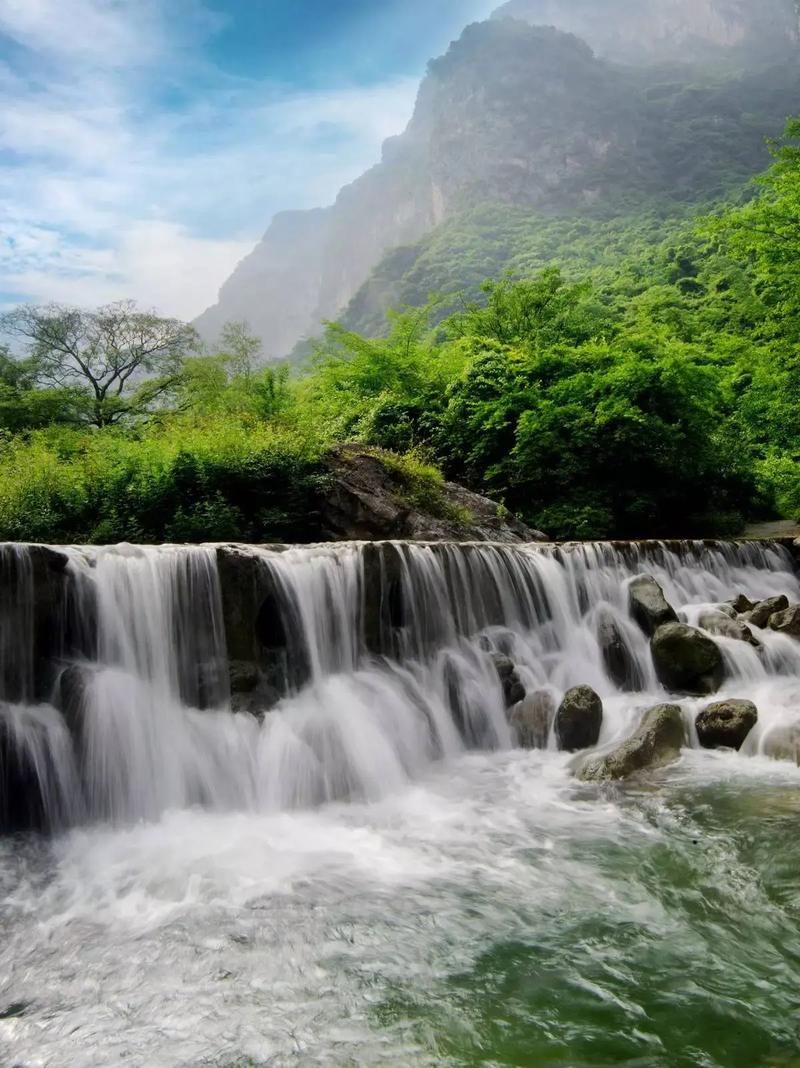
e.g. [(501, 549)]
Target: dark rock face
[(513, 690), (760, 615), (366, 499), (787, 621), (742, 604), (726, 724), (532, 718), (579, 719), (656, 742), (648, 605), (686, 660), (617, 656), (723, 626)]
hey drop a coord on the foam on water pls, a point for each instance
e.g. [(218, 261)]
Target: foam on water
[(370, 874)]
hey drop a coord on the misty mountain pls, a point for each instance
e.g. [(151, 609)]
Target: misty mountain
[(524, 119)]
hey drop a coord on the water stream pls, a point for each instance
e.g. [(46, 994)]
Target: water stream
[(370, 873)]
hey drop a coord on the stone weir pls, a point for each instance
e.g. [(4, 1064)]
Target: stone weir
[(138, 679)]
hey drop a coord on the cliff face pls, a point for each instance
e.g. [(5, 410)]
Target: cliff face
[(640, 31), (512, 114)]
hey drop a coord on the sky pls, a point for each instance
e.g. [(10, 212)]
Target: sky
[(145, 144)]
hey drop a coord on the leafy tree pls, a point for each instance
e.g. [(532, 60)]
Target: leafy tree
[(240, 348), (119, 361)]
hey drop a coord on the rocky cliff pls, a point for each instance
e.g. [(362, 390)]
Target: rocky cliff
[(641, 31), (527, 115)]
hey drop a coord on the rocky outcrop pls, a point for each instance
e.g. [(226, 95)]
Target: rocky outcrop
[(724, 627), (618, 658), (726, 724), (532, 719), (686, 660), (787, 621), (671, 30), (648, 605), (742, 604), (369, 496), (764, 610), (513, 115), (513, 690), (656, 742), (579, 719)]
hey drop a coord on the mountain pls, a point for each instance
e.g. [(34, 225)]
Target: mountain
[(529, 121), (644, 31)]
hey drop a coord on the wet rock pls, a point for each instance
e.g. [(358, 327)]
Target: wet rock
[(513, 690), (532, 718), (726, 724), (724, 627), (656, 742), (648, 605), (686, 660), (760, 615), (579, 719), (617, 655), (251, 691), (70, 698), (742, 604), (787, 621)]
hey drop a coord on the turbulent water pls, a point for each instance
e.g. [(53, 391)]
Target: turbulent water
[(372, 874)]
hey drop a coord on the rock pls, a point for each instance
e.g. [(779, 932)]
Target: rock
[(648, 605), (656, 742), (686, 660), (742, 604), (368, 496), (726, 724), (617, 655), (724, 627), (579, 719), (513, 690), (760, 615), (532, 718), (787, 621)]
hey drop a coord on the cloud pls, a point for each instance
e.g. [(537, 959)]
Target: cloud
[(130, 166)]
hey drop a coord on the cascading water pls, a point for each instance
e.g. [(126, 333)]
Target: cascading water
[(293, 828), (378, 660)]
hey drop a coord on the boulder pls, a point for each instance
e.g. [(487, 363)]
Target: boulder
[(724, 627), (617, 656), (686, 660), (648, 605), (532, 718), (725, 724), (764, 610), (787, 621), (513, 690), (579, 719), (657, 741), (368, 495), (741, 604)]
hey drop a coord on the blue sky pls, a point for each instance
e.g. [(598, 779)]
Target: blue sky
[(145, 144)]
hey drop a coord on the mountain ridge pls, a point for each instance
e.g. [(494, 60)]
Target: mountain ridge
[(515, 114)]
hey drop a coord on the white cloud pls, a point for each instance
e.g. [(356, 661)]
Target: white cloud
[(105, 194)]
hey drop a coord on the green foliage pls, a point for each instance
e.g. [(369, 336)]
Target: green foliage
[(192, 480), (650, 386)]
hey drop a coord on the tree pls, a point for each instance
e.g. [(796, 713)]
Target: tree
[(118, 361), (241, 349)]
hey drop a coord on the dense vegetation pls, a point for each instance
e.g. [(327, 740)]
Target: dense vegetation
[(649, 385)]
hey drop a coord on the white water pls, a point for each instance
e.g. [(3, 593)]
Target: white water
[(372, 875), (154, 728)]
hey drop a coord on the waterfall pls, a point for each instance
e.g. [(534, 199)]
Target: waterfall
[(135, 680)]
